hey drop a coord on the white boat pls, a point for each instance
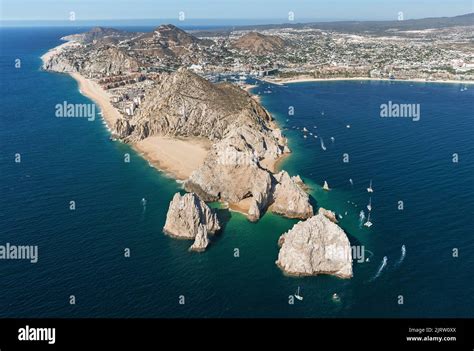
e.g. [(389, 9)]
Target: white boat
[(368, 224), (369, 189), (332, 139), (297, 295), (369, 206), (348, 126), (143, 202), (336, 297), (326, 186), (304, 129)]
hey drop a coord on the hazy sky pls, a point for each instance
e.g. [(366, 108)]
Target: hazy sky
[(230, 9)]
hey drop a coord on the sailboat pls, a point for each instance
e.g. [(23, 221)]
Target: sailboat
[(369, 189), (297, 295), (368, 224), (369, 206), (326, 186)]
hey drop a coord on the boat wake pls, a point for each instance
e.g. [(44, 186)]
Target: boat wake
[(381, 268), (402, 256), (361, 218), (322, 144)]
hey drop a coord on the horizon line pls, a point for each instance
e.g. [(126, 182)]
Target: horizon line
[(226, 19)]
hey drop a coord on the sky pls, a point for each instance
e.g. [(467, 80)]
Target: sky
[(231, 9)]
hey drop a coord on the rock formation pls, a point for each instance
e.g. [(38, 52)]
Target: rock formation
[(246, 141), (328, 214), (315, 246), (201, 241), (187, 105), (185, 214), (289, 199)]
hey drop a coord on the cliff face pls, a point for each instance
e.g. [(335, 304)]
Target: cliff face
[(186, 214), (289, 199), (315, 246)]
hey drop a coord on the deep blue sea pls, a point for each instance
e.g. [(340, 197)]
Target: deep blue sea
[(81, 252)]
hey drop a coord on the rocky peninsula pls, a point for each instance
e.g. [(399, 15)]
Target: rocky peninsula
[(214, 137)]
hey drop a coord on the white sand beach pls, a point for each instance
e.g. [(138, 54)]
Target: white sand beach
[(95, 92), (177, 157)]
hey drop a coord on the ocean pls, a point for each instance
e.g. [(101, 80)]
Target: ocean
[(81, 252)]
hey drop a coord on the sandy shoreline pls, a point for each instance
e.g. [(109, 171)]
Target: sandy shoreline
[(305, 79), (95, 92), (177, 157)]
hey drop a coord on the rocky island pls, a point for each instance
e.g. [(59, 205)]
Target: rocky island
[(215, 137), (315, 246)]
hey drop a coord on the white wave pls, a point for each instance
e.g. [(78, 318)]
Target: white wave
[(402, 256)]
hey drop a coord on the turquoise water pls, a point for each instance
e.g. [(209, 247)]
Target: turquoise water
[(81, 252)]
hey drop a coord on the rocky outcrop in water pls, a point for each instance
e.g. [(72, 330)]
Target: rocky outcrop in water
[(202, 241), (185, 214), (315, 246), (289, 199), (328, 214)]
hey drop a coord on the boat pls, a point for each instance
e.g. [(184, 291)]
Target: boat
[(348, 126), (297, 295), (304, 129), (336, 297), (143, 202), (369, 189), (332, 139), (368, 224), (326, 186), (369, 206)]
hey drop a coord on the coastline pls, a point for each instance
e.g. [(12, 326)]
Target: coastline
[(305, 79), (176, 157), (94, 91)]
